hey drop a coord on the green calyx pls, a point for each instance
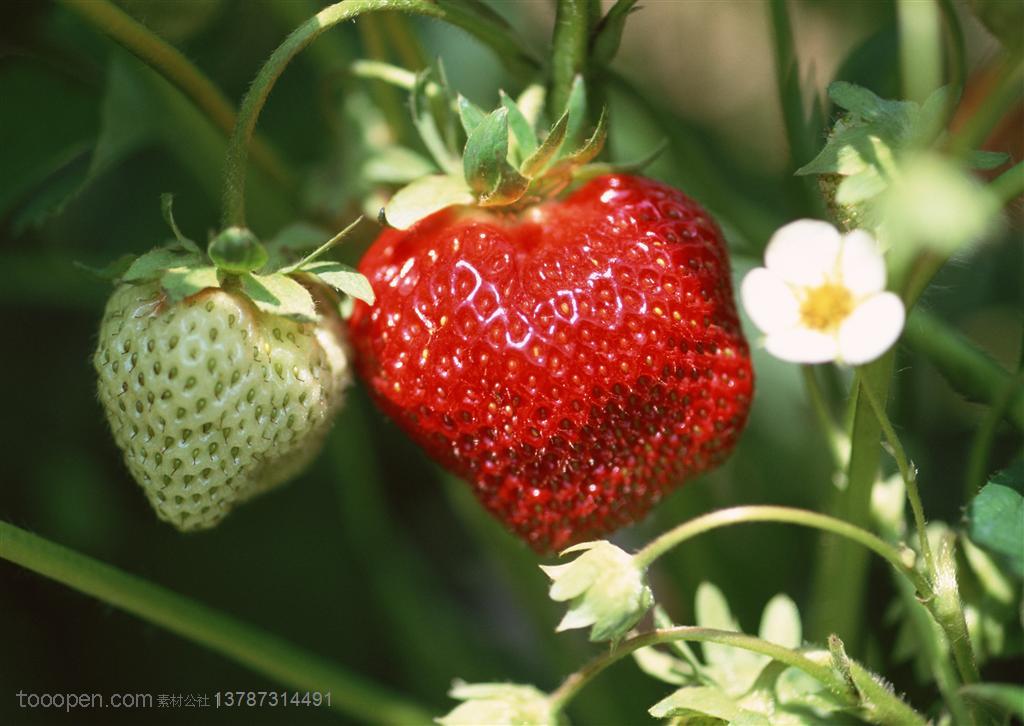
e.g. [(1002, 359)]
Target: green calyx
[(504, 161), (270, 275)]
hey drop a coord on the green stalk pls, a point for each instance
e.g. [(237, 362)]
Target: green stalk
[(176, 68), (957, 50), (837, 599), (920, 49), (906, 471), (834, 436), (882, 704), (1010, 184), (569, 52), (971, 372), (802, 139), (233, 196), (251, 647), (785, 515)]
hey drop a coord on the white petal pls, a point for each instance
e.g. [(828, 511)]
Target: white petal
[(802, 345), (769, 301), (861, 265), (804, 252), (871, 328)]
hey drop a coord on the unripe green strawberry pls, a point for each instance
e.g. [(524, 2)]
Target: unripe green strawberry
[(213, 400)]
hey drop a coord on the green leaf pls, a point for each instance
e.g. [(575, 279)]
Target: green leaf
[(152, 263), (712, 611), (734, 669), (167, 209), (704, 700), (996, 517), (237, 251), (1008, 697), (663, 622), (343, 279), (279, 294), (796, 689), (470, 114), (986, 160), (486, 154), (860, 187), (396, 165), (180, 282), (780, 622), (539, 161), (524, 139), (661, 665), (424, 197), (855, 99), (608, 34)]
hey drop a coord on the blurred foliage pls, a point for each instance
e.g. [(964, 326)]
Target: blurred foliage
[(374, 557)]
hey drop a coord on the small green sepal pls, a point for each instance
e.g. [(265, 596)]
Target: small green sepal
[(342, 278), (424, 197), (605, 588), (500, 704), (237, 251), (279, 294), (181, 282), (504, 163)]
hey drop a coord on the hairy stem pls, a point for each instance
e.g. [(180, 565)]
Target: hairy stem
[(176, 68), (569, 52), (906, 471), (252, 647), (836, 600), (784, 515), (884, 705)]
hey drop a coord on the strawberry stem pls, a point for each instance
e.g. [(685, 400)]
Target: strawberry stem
[(906, 471), (883, 705), (252, 647), (786, 515), (570, 45), (236, 163)]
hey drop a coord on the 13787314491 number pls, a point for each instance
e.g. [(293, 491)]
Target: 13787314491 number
[(271, 699)]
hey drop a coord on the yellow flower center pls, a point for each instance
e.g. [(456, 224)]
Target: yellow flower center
[(825, 307)]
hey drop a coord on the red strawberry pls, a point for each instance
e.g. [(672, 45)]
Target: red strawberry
[(573, 363)]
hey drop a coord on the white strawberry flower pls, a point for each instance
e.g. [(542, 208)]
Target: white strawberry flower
[(821, 296)]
